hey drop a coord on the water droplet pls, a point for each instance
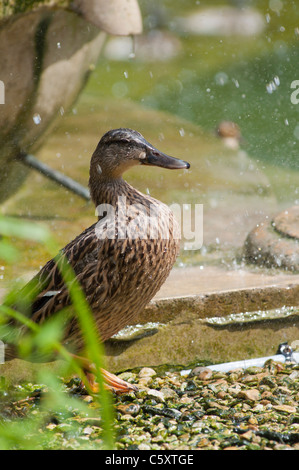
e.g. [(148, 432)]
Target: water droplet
[(273, 85), (36, 119), (58, 45), (276, 80), (126, 74), (221, 78)]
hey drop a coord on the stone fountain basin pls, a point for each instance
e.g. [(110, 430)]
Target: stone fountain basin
[(194, 316), (46, 56), (216, 316)]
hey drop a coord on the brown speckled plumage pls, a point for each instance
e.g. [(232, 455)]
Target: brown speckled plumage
[(119, 276)]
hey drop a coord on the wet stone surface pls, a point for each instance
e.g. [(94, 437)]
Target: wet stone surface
[(275, 243), (287, 222), (251, 409)]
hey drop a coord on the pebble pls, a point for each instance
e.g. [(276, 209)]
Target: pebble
[(130, 409), (252, 394), (285, 408), (156, 394), (144, 447), (146, 372), (203, 373), (228, 411), (88, 430), (168, 393), (144, 381)]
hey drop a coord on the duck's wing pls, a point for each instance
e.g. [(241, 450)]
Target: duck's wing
[(47, 292)]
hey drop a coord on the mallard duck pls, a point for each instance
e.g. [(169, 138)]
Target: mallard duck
[(121, 260)]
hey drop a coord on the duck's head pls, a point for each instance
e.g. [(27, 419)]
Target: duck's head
[(120, 149)]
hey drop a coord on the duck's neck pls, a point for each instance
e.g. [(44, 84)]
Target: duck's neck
[(107, 191)]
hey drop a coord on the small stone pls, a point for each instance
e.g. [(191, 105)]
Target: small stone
[(203, 373), (144, 381), (285, 408), (146, 372), (294, 375), (247, 435), (88, 399), (127, 376), (234, 389), (254, 370), (281, 391), (156, 394), (258, 408), (88, 430), (203, 442), (266, 394), (131, 409), (186, 400), (51, 426), (168, 393), (265, 402), (268, 381), (252, 394)]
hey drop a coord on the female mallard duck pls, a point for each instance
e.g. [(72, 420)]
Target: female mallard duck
[(122, 260)]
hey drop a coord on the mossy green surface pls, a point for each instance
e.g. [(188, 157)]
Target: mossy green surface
[(13, 7)]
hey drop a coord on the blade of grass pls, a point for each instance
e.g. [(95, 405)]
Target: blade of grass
[(95, 350), (93, 342)]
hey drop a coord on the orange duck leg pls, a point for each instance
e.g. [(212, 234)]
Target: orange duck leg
[(111, 381)]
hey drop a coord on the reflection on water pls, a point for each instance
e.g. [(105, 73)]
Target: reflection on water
[(250, 317)]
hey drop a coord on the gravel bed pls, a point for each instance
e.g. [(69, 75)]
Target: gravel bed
[(252, 409)]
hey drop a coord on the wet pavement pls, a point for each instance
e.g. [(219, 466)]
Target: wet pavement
[(196, 280)]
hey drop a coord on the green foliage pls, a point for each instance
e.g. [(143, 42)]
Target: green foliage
[(44, 340)]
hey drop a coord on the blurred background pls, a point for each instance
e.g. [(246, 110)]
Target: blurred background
[(206, 81)]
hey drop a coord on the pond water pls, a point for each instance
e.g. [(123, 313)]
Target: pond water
[(247, 79)]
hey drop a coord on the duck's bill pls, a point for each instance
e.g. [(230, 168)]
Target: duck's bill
[(156, 158)]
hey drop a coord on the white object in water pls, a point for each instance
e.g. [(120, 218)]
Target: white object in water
[(245, 363)]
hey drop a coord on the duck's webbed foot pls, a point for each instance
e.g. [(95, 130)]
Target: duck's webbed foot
[(111, 381)]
